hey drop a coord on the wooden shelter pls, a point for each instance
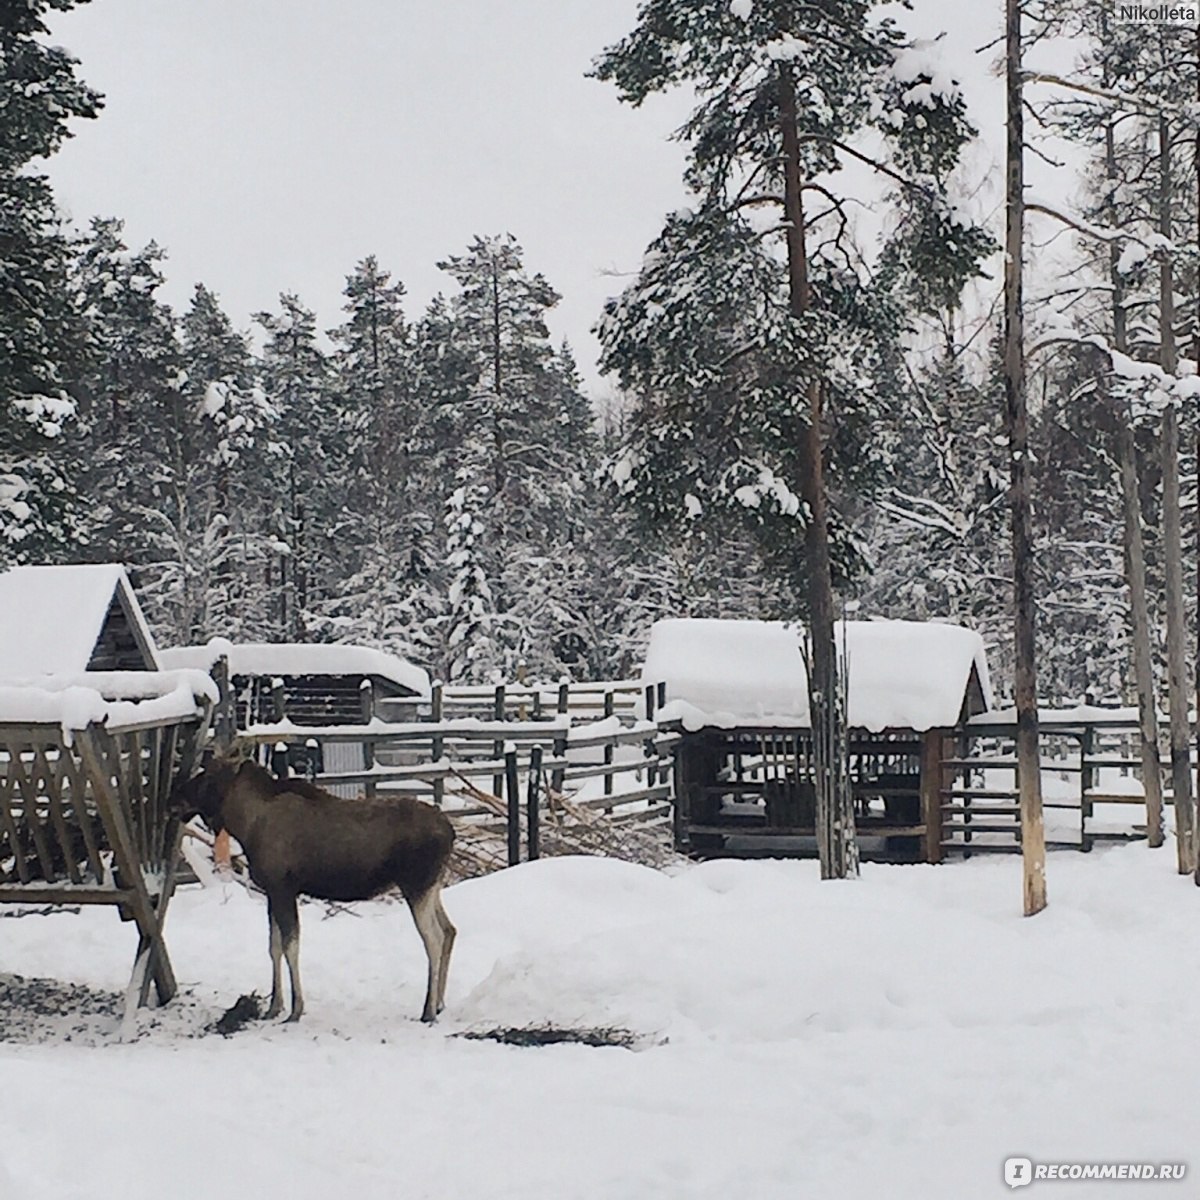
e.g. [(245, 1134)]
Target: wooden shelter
[(63, 620), (310, 683), (735, 692)]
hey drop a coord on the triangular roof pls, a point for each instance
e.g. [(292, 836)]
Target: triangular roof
[(54, 620), (902, 674)]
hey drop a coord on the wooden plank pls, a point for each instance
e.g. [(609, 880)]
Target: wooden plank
[(137, 793), (932, 749), (983, 809), (30, 819), (97, 752), (62, 893), (776, 831), (978, 793), (659, 792), (93, 838), (52, 783), (9, 820)]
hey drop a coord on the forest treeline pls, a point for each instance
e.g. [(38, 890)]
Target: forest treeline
[(438, 484)]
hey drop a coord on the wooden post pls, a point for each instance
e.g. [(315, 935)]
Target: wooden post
[(608, 750), (652, 779), (932, 744), (1033, 832), (513, 796), (224, 725), (437, 743), (366, 696), (533, 792), (279, 761), (1087, 780), (558, 775), (498, 745), (278, 700)]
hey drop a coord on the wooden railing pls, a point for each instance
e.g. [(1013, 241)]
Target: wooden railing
[(1086, 765)]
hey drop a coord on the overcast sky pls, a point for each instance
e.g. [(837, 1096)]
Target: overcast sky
[(269, 145)]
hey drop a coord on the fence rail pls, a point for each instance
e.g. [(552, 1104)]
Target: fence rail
[(1091, 786)]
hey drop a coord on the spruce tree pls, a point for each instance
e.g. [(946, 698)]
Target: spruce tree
[(235, 431), (39, 94), (295, 378)]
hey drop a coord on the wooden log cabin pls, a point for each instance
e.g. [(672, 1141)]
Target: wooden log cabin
[(735, 692)]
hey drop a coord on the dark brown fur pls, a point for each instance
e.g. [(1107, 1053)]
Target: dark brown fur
[(301, 840)]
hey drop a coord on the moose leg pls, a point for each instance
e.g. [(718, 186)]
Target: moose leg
[(285, 941), (424, 913), (289, 929), (276, 1006), (448, 935)]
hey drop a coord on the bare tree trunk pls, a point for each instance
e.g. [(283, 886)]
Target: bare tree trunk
[(1172, 520), (1196, 356), (836, 841), (1033, 834), (1134, 547), (1177, 685), (1139, 620)]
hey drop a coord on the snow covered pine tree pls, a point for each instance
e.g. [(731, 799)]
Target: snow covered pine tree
[(762, 353)]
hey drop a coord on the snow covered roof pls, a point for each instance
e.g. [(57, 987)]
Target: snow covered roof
[(902, 674), (115, 698), (53, 619), (300, 658)]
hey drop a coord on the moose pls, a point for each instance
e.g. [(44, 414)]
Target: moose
[(301, 840)]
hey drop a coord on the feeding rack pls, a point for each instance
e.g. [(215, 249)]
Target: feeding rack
[(86, 772)]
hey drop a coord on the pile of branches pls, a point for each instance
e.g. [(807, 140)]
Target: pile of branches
[(481, 845)]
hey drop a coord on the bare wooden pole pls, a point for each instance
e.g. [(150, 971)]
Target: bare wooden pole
[(1196, 356), (1033, 834)]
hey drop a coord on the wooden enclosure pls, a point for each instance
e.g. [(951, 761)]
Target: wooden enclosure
[(86, 819), (521, 770), (748, 792), (919, 797)]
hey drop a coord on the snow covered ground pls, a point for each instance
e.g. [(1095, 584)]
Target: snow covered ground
[(898, 1036)]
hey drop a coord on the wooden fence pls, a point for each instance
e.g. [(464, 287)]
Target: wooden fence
[(1091, 787), (542, 770)]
